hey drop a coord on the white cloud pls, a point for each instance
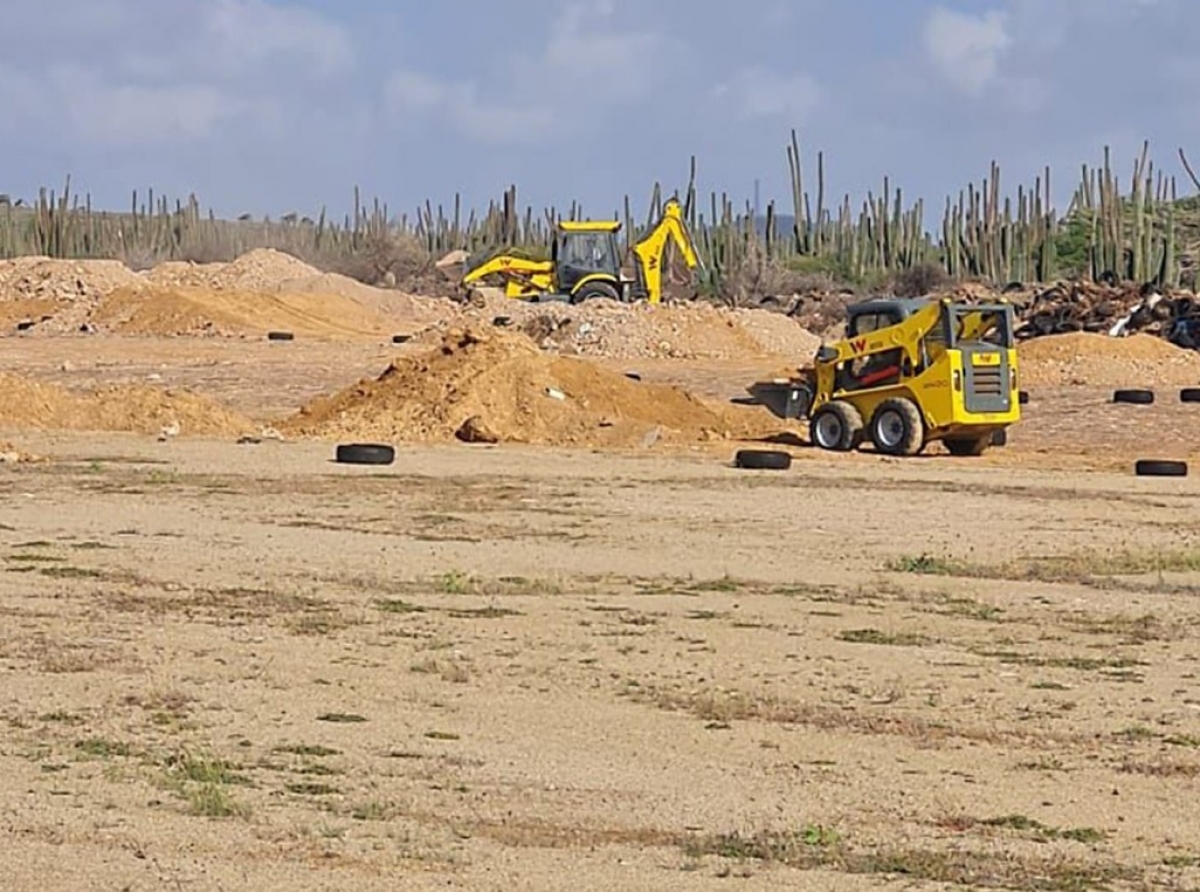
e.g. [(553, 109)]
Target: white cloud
[(409, 94), (966, 49), (252, 31), (756, 92)]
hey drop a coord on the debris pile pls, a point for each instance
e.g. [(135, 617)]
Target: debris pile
[(1093, 359), (489, 385), (689, 330), (1112, 310)]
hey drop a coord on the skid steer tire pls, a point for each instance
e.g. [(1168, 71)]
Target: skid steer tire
[(364, 454), (595, 290), (280, 336), (836, 426), (1190, 395), (897, 428), (762, 460), (1149, 467), (1022, 397), (967, 446), (1136, 397)]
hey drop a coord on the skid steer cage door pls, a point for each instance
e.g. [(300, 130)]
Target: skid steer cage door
[(987, 379)]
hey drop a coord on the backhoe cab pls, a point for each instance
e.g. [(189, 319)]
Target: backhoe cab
[(908, 373), (585, 262)]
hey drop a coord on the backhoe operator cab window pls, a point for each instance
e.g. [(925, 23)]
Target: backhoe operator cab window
[(594, 251)]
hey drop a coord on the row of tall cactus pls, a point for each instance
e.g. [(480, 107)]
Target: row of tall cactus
[(1136, 234)]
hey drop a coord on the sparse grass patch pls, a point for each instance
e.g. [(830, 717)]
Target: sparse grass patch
[(311, 750), (203, 782), (344, 718), (397, 605), (1036, 829), (311, 789), (99, 748), (69, 572), (876, 636), (489, 612), (975, 870), (442, 735), (1083, 567)]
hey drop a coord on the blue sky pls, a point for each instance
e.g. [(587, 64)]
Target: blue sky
[(273, 107)]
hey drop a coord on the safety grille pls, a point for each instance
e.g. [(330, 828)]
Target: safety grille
[(987, 380)]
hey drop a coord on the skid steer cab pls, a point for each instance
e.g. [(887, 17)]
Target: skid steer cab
[(910, 372)]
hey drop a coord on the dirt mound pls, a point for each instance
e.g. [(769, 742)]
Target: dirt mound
[(187, 310), (266, 271), (640, 331), (502, 388), (25, 278), (1082, 358), (26, 403)]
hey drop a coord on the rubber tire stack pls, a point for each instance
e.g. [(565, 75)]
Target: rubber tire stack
[(1149, 467)]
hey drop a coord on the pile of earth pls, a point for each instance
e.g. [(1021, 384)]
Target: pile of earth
[(266, 271), (30, 404), (686, 330), (191, 310), (490, 385), (1097, 360), (259, 291)]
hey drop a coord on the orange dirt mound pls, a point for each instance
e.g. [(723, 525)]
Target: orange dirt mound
[(25, 403), (509, 389), (1085, 358), (189, 310)]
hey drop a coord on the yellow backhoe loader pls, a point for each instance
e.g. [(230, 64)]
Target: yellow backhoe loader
[(909, 372), (585, 262)]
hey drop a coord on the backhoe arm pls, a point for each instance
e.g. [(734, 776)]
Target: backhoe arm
[(649, 250), (521, 275)]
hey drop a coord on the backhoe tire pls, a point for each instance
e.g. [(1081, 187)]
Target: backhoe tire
[(897, 428), (964, 446), (762, 460), (594, 290), (836, 426)]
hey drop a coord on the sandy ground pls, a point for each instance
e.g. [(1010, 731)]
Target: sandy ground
[(240, 665), (499, 668)]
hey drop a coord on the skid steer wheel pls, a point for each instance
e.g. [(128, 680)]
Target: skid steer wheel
[(364, 454), (837, 426), (280, 336), (1022, 397), (1149, 467), (593, 290), (897, 428), (1141, 397), (762, 460), (968, 445), (1190, 395)]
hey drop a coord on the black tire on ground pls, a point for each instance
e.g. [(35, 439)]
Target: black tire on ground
[(762, 460), (962, 446), (1149, 467), (1139, 397), (836, 426), (280, 336), (1000, 438), (1022, 397), (401, 338), (594, 290), (633, 376), (365, 454), (502, 321), (897, 428), (1190, 395)]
